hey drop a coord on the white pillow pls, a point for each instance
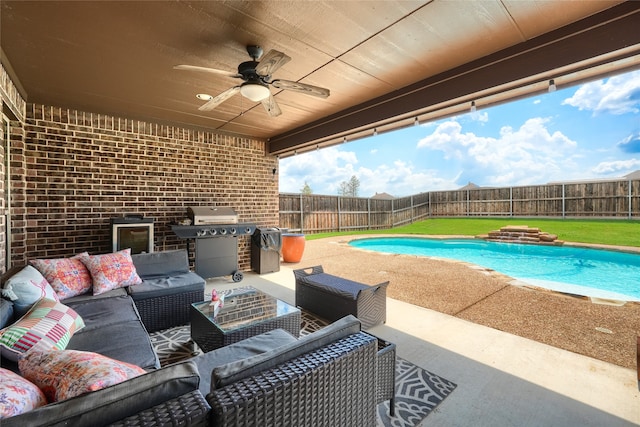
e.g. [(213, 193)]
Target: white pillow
[(25, 288)]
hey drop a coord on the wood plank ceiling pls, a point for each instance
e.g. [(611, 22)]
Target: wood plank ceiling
[(385, 62)]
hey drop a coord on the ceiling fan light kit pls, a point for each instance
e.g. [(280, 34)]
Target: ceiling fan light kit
[(254, 91), (257, 78)]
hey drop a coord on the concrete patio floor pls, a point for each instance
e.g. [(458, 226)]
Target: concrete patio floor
[(502, 379)]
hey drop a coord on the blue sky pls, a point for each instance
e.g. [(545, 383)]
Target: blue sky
[(590, 131)]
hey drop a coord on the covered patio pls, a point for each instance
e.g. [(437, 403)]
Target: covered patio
[(502, 379)]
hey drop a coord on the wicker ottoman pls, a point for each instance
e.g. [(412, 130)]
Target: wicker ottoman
[(333, 297)]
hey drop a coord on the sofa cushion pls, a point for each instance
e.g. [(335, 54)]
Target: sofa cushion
[(249, 347), (67, 276), (111, 271), (235, 371), (116, 402), (114, 329), (25, 288), (161, 264), (18, 395), (49, 324), (6, 312), (155, 287), (68, 373)]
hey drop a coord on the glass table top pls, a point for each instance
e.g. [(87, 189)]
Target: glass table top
[(243, 307)]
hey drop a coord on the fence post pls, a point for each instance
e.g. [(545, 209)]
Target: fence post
[(563, 203), (468, 213), (393, 215), (339, 215), (630, 199), (412, 213), (369, 213), (429, 204), (301, 213), (510, 201)]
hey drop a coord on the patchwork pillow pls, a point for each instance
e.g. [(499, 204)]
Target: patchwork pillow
[(67, 276), (83, 372), (17, 395), (111, 271), (25, 288), (49, 324)]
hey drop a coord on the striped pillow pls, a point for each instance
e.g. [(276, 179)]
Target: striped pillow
[(49, 324)]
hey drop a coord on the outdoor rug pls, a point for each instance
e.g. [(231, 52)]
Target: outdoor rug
[(418, 392)]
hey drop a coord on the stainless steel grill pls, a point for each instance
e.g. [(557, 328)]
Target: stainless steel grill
[(215, 232)]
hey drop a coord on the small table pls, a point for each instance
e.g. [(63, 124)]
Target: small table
[(246, 312), (333, 297)]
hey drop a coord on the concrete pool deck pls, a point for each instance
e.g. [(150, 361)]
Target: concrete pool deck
[(502, 379), (603, 331)]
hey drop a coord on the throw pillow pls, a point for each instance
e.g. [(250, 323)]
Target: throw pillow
[(17, 395), (25, 288), (49, 324), (83, 372), (67, 276), (111, 271)]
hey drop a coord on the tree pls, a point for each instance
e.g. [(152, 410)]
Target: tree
[(350, 188), (306, 189)]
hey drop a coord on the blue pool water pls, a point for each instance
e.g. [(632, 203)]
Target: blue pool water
[(582, 271)]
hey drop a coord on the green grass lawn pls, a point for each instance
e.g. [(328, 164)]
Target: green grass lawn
[(607, 232)]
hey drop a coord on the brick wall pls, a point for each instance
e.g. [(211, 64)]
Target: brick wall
[(75, 170)]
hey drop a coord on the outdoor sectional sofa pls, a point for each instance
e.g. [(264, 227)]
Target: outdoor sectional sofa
[(274, 379)]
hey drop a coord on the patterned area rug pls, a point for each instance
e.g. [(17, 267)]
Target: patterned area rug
[(418, 391)]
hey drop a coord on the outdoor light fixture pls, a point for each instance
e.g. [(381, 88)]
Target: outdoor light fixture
[(552, 86), (473, 107), (375, 132), (254, 91), (416, 122), (344, 139)]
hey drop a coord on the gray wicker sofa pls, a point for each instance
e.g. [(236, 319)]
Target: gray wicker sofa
[(328, 378), (117, 325)]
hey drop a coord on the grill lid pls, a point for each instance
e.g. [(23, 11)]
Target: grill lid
[(203, 215)]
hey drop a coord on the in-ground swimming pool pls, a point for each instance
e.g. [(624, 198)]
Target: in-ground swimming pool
[(582, 271)]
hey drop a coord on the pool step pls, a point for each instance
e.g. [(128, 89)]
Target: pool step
[(521, 234)]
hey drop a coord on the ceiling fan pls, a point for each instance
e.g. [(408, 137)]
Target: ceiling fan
[(256, 78)]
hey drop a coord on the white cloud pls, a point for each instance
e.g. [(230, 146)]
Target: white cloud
[(325, 169), (616, 167), (482, 117), (520, 156), (321, 169), (617, 95)]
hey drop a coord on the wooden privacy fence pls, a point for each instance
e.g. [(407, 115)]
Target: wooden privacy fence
[(599, 199)]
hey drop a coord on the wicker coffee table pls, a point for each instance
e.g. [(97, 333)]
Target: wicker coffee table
[(246, 312)]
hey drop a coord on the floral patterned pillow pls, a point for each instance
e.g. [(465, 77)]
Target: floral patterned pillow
[(111, 271), (49, 324), (84, 372), (67, 276), (18, 395), (25, 288)]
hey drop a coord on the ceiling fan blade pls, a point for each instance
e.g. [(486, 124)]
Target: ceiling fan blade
[(271, 62), (271, 106), (213, 103), (301, 87), (206, 70)]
